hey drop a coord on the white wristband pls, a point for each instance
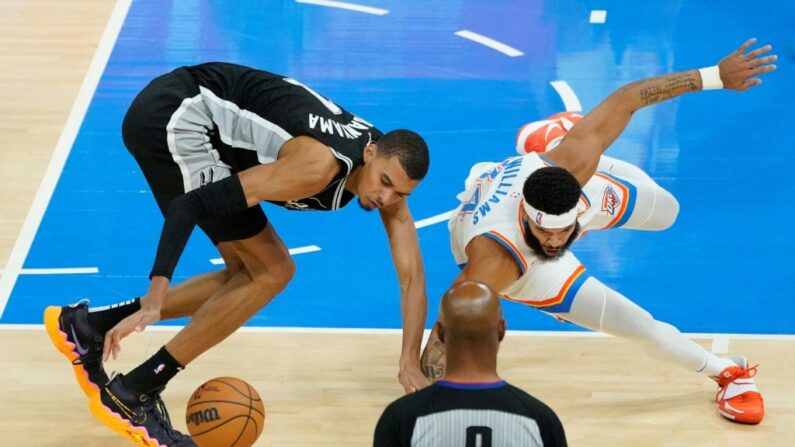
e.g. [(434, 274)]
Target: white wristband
[(710, 78)]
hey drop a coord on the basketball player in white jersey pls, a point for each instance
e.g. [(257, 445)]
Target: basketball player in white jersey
[(517, 219)]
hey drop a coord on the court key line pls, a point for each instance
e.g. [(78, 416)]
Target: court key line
[(489, 42), (598, 16), (570, 100), (215, 261), (293, 251), (346, 5), (56, 271), (25, 239), (443, 217)]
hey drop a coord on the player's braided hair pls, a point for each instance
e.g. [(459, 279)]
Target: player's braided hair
[(552, 190), (411, 150)]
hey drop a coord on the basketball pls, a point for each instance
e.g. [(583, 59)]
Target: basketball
[(225, 412)]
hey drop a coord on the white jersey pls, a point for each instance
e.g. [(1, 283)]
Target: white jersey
[(490, 207)]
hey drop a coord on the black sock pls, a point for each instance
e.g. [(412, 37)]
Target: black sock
[(153, 373), (104, 318)]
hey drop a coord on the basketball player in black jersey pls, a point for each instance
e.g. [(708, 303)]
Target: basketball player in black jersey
[(213, 141), (471, 405)]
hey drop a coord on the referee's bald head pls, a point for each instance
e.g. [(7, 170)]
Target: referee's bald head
[(471, 314)]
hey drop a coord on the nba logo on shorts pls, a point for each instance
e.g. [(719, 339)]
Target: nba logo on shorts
[(610, 201), (160, 368)]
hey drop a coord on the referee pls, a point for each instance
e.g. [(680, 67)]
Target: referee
[(471, 406)]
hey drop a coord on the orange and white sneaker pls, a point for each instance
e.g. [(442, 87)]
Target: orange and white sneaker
[(545, 135), (737, 398)]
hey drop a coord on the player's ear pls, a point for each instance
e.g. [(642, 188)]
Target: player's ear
[(502, 329), (370, 152)]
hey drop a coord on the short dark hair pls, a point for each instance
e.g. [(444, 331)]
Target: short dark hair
[(411, 150), (552, 190)]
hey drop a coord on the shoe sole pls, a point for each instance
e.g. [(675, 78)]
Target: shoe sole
[(52, 317), (527, 130), (742, 362), (138, 435)]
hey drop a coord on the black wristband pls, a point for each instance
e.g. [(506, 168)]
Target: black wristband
[(216, 199)]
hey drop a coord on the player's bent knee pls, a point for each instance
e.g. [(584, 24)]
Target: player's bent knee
[(670, 208), (666, 210), (276, 275)]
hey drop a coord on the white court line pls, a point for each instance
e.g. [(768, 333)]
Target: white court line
[(598, 16), (345, 5), (326, 330), (22, 246), (720, 344), (293, 251), (489, 42), (568, 96), (313, 248), (58, 271), (433, 220)]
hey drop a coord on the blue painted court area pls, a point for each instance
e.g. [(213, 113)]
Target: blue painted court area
[(725, 266)]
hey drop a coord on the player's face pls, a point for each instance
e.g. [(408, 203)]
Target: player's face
[(550, 242), (383, 182)]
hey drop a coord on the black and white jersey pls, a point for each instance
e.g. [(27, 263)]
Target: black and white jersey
[(254, 113), (469, 415)]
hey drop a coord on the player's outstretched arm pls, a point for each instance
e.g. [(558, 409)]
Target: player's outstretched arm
[(407, 258), (580, 150)]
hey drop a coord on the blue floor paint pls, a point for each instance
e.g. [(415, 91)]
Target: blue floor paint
[(725, 266)]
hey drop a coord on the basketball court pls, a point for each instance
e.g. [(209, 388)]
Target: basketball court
[(79, 222)]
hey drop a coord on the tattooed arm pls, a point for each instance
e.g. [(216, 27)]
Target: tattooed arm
[(580, 150), (487, 262)]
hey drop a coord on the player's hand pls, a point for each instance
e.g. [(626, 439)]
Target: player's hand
[(738, 70), (412, 379), (148, 314)]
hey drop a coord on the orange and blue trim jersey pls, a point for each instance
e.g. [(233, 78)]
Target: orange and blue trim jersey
[(491, 207)]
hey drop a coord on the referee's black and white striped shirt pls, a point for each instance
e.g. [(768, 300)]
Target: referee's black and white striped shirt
[(469, 415)]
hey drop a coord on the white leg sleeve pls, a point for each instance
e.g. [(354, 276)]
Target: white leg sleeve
[(601, 308)]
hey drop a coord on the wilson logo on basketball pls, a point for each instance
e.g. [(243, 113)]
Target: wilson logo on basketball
[(203, 416)]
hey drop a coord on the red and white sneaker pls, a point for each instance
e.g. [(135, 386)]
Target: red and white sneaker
[(737, 398), (544, 135)]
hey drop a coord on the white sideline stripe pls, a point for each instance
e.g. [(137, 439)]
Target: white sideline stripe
[(568, 96), (433, 220), (598, 16), (22, 246), (293, 251), (489, 42), (720, 345), (326, 330), (57, 271), (345, 5)]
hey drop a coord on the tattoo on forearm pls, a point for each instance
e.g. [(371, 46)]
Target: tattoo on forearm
[(666, 87), (433, 360)]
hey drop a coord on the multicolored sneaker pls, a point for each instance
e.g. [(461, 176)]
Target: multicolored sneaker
[(141, 418), (71, 334), (545, 135), (737, 398)]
